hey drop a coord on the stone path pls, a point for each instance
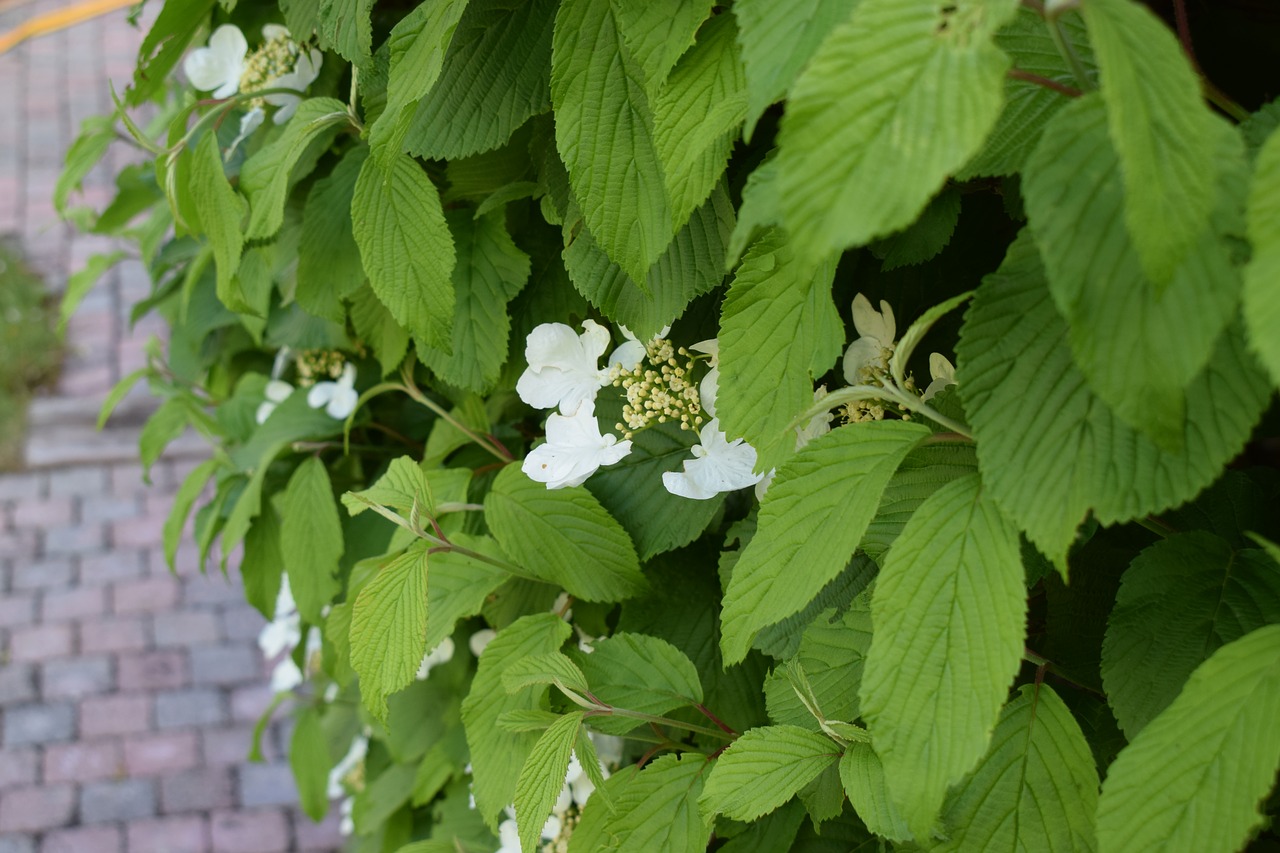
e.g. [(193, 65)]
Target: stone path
[(127, 694)]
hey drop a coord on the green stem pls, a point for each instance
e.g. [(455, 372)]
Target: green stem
[(915, 404), (422, 399), (1063, 44), (610, 711)]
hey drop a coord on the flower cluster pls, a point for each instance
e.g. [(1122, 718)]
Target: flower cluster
[(279, 637), (336, 395), (659, 392), (866, 361)]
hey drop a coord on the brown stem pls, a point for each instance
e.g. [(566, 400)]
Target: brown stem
[(1061, 88)]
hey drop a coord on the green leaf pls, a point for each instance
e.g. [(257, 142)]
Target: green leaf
[(164, 426), (1048, 449), (496, 754), (811, 520), (495, 76), (691, 266), (777, 42), (219, 207), (311, 538), (1138, 344), (640, 673), (697, 114), (192, 487), (760, 207), (458, 585), (862, 775), (1180, 600), (925, 237), (90, 146), (654, 809), (378, 329), (1162, 130), (78, 286), (542, 777), (346, 29), (262, 566), (950, 614), (328, 259), (553, 668), (406, 247), (1262, 276), (604, 132), (894, 71), (831, 657), (401, 486), (657, 33), (389, 627), (1213, 754), (490, 271), (309, 759), (563, 536), (266, 176), (922, 472), (778, 330), (176, 25), (1037, 787), (763, 769)]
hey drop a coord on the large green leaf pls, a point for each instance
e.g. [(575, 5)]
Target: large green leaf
[(1049, 450), (389, 629), (166, 41), (1037, 787), (862, 775), (1193, 778), (1162, 130), (346, 28), (1180, 600), (604, 132), (542, 777), (833, 650), (309, 759), (219, 207), (658, 32), (653, 809), (563, 536), (811, 520), (640, 673), (378, 329), (493, 79), (406, 247), (311, 538), (1139, 345), (763, 769), (329, 267), (458, 585), (949, 610), (896, 99), (490, 271), (1262, 276), (778, 330), (922, 472), (496, 753), (777, 41)]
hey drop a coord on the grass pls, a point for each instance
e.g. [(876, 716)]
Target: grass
[(30, 351)]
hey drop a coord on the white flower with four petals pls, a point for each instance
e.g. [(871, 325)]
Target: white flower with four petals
[(869, 353), (338, 399), (574, 449), (719, 465), (564, 367)]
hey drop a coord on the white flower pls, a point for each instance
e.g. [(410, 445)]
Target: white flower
[(942, 372), (869, 354), (480, 639), (442, 653), (285, 676), (277, 391), (305, 71), (284, 631), (509, 835), (348, 824), (349, 763), (608, 749), (575, 448), (219, 66), (629, 355), (564, 367), (711, 382), (719, 465), (338, 398), (819, 424)]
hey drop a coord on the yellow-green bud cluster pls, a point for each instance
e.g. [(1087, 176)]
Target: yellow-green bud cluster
[(660, 391), (274, 59), (568, 822), (862, 411), (874, 372), (315, 365)]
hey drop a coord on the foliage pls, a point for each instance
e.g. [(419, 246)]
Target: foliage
[(565, 365), (30, 352)]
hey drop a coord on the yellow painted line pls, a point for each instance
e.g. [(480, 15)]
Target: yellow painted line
[(52, 22)]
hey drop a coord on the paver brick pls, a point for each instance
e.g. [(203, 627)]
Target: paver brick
[(165, 752), (264, 831), (76, 603), (17, 609), (250, 702), (41, 642), (312, 837), (108, 508), (140, 532), (37, 808), (198, 790), (19, 767), (86, 839), (17, 844), (111, 566), (241, 622), (115, 714), (74, 539), (49, 512), (184, 834), (52, 573), (87, 480), (84, 761), (18, 543), (153, 671), (73, 678), (211, 589), (225, 664), (266, 785), (221, 746), (123, 799), (35, 724), (145, 595), (193, 707), (17, 683), (114, 634), (186, 628), (29, 485)]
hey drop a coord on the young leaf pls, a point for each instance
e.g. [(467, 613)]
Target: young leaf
[(833, 651), (778, 329), (262, 566), (1262, 276), (563, 536), (949, 610), (497, 754), (163, 427), (328, 259), (763, 769), (862, 775), (1212, 753), (895, 70), (166, 41), (311, 538), (653, 809), (640, 673), (401, 486), (309, 759), (389, 627), (219, 207), (811, 521), (544, 669), (1162, 130), (542, 777), (1037, 787), (1180, 600), (1049, 450), (90, 146), (406, 248), (604, 132), (922, 472), (185, 498), (458, 585)]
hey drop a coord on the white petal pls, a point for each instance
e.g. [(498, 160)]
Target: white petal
[(719, 465), (287, 105), (551, 829), (343, 402), (871, 323), (321, 393), (708, 389), (711, 347), (264, 412), (940, 367), (508, 837), (862, 353), (480, 639), (563, 366), (608, 749), (285, 676), (218, 67), (277, 391), (271, 32), (285, 605), (574, 449), (582, 788), (249, 122), (628, 355), (275, 638)]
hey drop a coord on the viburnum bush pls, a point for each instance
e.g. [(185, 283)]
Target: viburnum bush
[(661, 425)]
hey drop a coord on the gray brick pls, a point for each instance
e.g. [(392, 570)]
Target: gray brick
[(225, 664), (196, 707), (17, 683), (241, 622), (30, 485), (124, 799), (27, 724), (78, 481), (267, 785), (52, 573), (196, 790), (19, 767), (75, 539), (73, 678), (186, 628), (17, 844)]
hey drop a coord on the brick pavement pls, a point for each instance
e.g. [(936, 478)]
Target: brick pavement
[(128, 694)]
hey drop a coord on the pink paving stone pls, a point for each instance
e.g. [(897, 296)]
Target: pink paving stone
[(17, 609), (18, 543), (18, 767), (116, 634), (50, 512), (324, 836), (87, 839), (187, 834), (86, 761), (140, 532), (37, 808), (152, 671), (251, 702), (79, 603), (230, 745), (111, 566), (186, 628), (41, 642), (147, 595), (115, 715), (263, 831), (155, 754)]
